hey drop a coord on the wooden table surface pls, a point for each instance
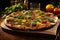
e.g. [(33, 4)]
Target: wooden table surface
[(7, 35)]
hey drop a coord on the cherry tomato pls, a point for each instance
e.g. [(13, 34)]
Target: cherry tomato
[(56, 11)]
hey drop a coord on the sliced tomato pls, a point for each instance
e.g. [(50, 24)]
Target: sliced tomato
[(19, 13), (44, 21)]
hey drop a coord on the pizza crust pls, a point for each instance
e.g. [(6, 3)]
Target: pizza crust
[(56, 19)]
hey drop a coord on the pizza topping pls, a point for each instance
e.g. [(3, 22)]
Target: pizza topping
[(15, 16), (10, 20), (31, 19), (33, 23), (27, 24), (11, 15), (42, 16), (39, 12), (19, 21), (51, 20), (19, 13), (38, 24), (21, 17), (50, 14), (38, 19), (23, 20), (27, 16), (48, 24), (15, 19), (44, 21)]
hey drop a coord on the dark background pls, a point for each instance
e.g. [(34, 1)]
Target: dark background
[(5, 3), (44, 2)]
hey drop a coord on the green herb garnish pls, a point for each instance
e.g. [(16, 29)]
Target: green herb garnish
[(10, 20), (19, 21)]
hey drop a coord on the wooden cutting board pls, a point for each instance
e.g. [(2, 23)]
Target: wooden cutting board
[(51, 31)]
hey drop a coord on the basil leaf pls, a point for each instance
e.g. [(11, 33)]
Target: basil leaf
[(38, 19), (33, 23), (15, 16), (51, 20), (10, 20), (19, 21), (21, 17), (45, 18)]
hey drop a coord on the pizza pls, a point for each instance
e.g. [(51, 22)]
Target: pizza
[(30, 20)]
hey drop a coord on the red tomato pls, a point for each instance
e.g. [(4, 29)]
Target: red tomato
[(19, 13), (56, 11), (44, 21)]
